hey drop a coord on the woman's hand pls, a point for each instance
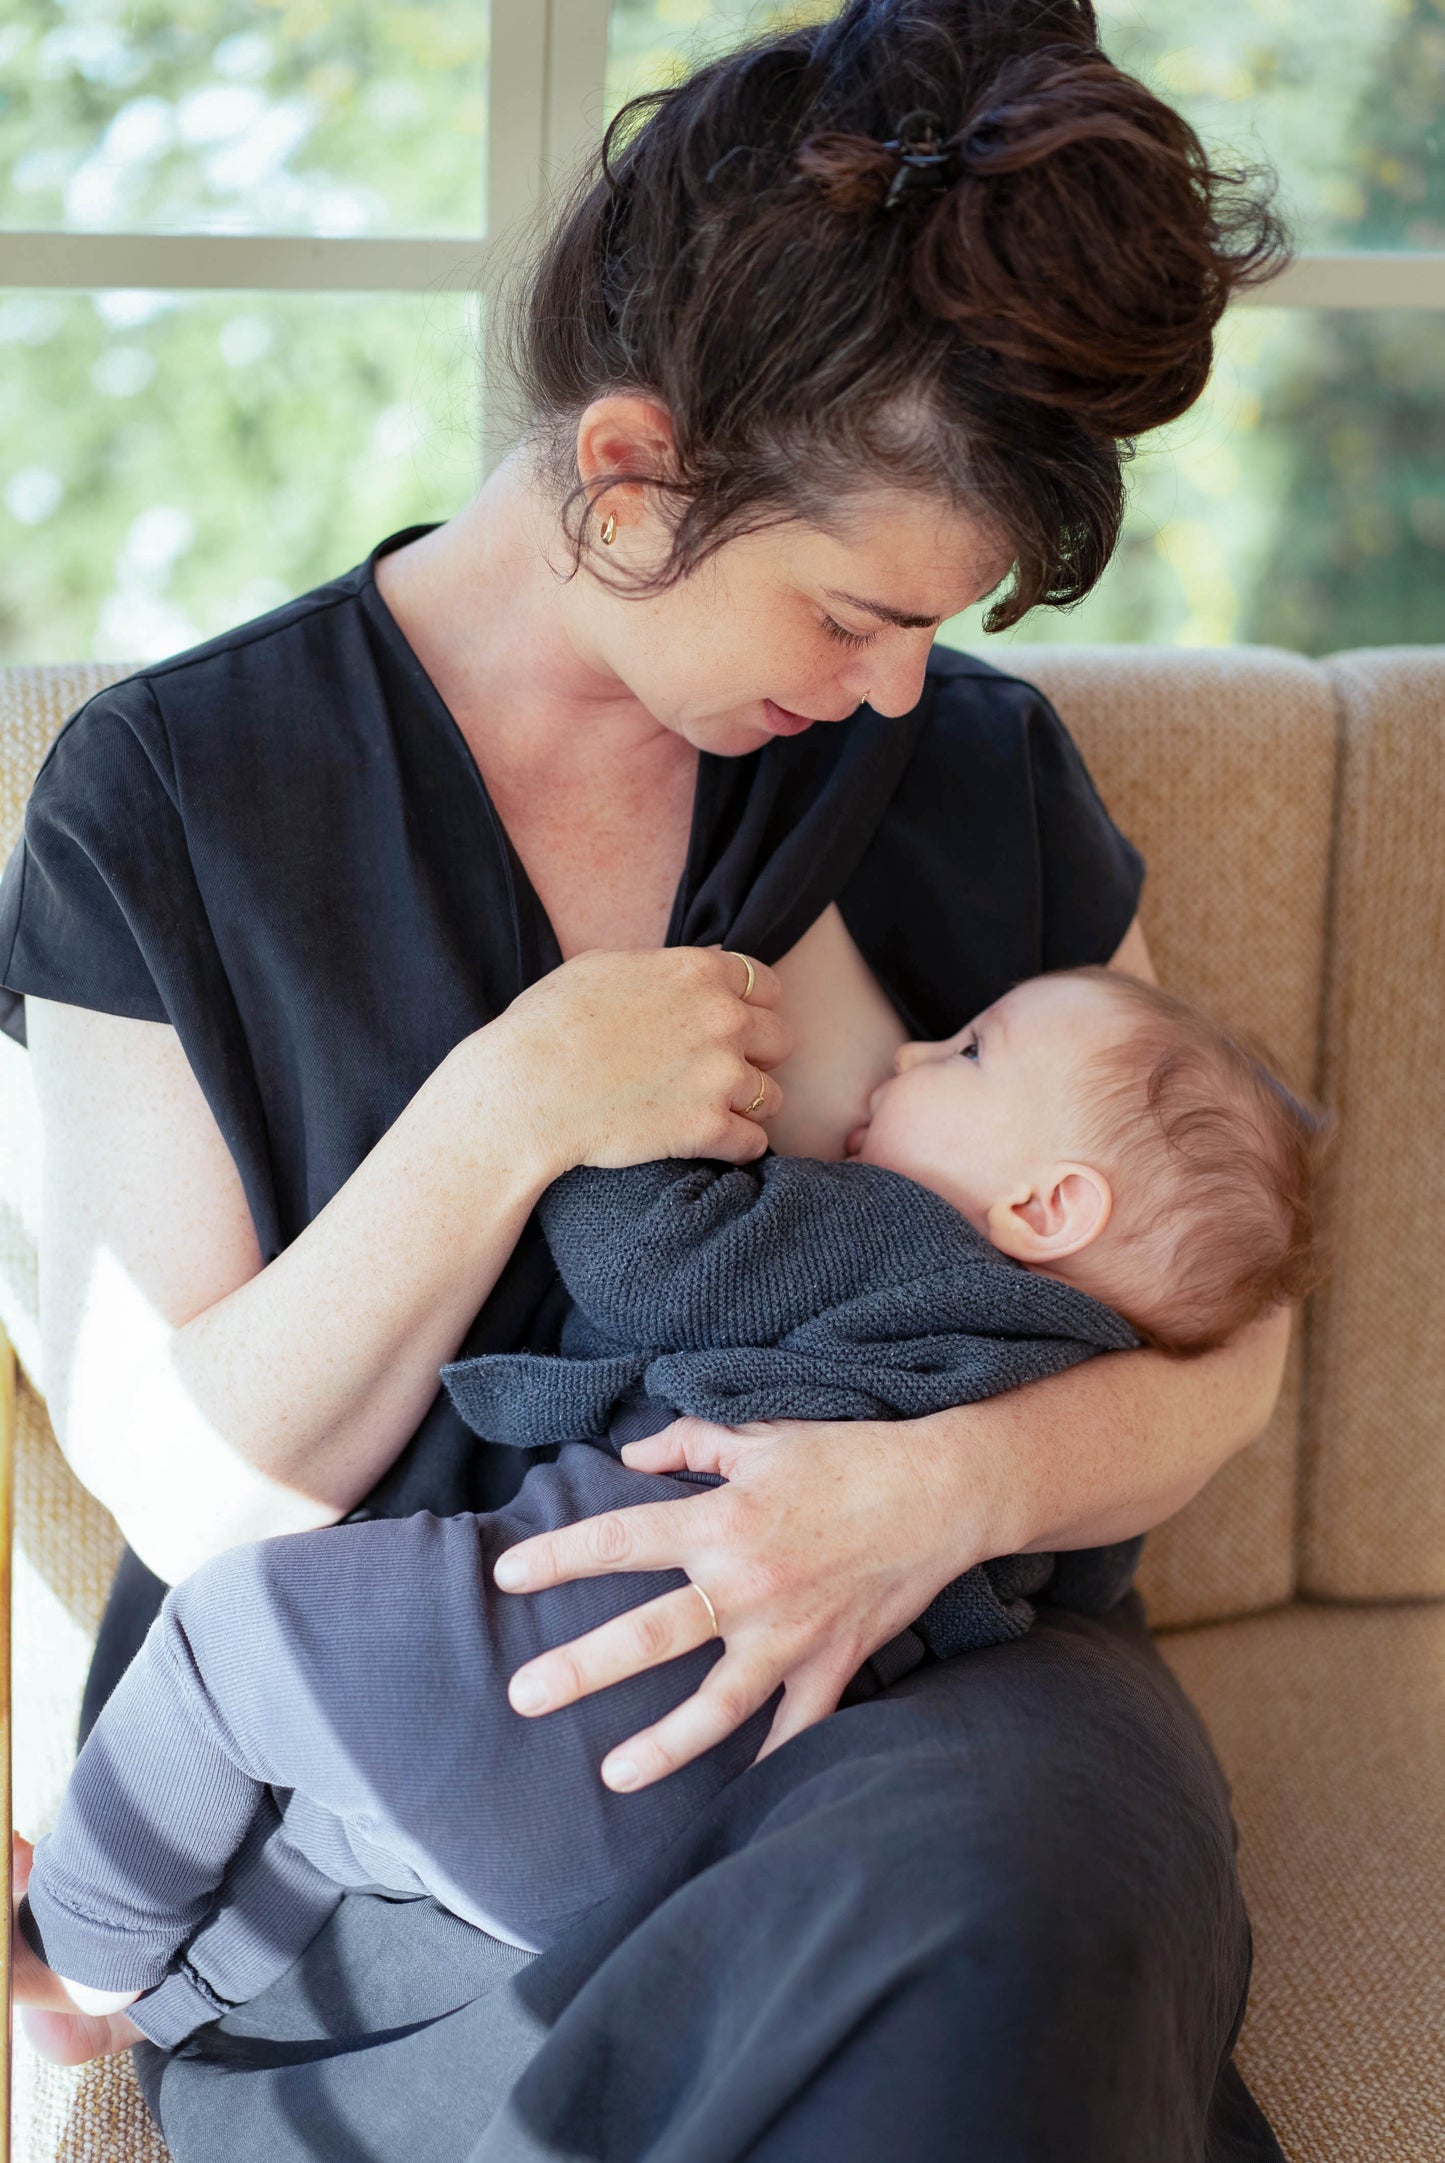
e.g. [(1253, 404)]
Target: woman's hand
[(830, 1537), (622, 1058)]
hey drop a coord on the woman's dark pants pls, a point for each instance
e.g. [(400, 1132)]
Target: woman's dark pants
[(989, 1915)]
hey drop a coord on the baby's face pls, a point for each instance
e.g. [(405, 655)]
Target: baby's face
[(986, 1116)]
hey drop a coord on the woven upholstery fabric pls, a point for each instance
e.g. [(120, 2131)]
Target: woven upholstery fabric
[(1374, 1452), (69, 1539), (34, 703), (1221, 766), (94, 2115), (1330, 1723), (65, 1553)]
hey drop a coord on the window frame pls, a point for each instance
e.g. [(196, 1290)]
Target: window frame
[(545, 74)]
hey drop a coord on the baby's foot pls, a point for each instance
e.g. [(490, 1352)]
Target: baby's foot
[(51, 2021)]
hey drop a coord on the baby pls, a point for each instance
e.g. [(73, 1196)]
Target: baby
[(1088, 1165)]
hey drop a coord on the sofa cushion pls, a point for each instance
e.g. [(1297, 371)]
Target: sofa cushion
[(1328, 1723), (1374, 1451), (1221, 766)]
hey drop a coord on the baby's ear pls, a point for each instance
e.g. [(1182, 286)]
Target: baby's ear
[(1061, 1215)]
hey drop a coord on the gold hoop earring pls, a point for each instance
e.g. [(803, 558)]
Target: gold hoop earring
[(609, 529)]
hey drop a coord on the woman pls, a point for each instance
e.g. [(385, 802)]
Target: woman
[(346, 934)]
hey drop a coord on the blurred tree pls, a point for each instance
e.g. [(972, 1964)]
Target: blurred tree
[(324, 116), (174, 463), (1359, 552)]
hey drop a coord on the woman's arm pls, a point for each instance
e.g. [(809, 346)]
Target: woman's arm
[(837, 1535), (209, 1400), (1110, 1448), (832, 1536)]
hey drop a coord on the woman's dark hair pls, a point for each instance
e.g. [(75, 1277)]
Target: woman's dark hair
[(1039, 294)]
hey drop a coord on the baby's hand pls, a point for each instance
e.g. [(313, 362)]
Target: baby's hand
[(51, 2018)]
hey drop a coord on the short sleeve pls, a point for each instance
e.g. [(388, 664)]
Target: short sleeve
[(1090, 874), (995, 858), (96, 887)]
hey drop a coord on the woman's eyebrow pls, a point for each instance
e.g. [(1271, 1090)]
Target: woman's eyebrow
[(881, 609)]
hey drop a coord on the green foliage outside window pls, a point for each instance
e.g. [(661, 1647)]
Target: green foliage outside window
[(174, 463), (244, 116)]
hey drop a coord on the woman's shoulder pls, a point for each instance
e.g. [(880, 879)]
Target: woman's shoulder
[(283, 667), (968, 701), (1002, 736), (995, 858)]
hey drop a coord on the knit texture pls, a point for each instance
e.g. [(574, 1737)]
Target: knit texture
[(791, 1289)]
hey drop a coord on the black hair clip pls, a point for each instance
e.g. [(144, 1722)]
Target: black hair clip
[(925, 166)]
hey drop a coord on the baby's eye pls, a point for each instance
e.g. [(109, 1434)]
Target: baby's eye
[(969, 1050)]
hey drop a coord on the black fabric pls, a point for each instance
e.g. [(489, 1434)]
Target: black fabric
[(280, 844), (991, 1913)]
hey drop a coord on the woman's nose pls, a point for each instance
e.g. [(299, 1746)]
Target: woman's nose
[(895, 679)]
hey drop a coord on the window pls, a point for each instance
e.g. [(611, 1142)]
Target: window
[(241, 246)]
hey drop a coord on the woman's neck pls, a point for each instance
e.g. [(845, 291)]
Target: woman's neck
[(595, 793), (485, 603)]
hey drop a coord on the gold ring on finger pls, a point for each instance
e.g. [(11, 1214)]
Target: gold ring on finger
[(749, 1109), (707, 1603), (747, 991)]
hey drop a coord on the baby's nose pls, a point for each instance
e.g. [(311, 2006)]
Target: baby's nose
[(908, 1055)]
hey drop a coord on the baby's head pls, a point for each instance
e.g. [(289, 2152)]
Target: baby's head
[(1103, 1132)]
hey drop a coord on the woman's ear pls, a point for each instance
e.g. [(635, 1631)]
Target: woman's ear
[(1064, 1213), (624, 432)]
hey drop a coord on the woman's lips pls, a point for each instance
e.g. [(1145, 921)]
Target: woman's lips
[(783, 723)]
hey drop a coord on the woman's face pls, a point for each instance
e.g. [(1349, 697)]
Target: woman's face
[(784, 628)]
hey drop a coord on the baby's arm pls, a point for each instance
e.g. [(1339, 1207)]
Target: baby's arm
[(678, 1255)]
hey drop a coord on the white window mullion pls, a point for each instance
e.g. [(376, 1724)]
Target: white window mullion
[(548, 61)]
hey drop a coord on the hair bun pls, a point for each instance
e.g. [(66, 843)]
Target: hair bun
[(1044, 286), (1078, 233)]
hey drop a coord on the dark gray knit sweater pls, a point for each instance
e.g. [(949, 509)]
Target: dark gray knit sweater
[(793, 1289)]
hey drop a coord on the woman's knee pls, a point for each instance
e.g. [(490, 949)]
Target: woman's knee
[(1065, 1810)]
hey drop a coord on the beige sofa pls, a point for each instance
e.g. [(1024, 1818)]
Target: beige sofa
[(1293, 814)]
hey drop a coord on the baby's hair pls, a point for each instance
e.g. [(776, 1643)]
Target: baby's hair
[(1217, 1166)]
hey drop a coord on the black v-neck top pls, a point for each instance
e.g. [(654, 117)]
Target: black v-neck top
[(280, 843)]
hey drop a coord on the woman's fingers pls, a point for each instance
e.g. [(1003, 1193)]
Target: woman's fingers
[(730, 1694), (763, 1039), (688, 1445), (811, 1694), (663, 1629), (647, 1537), (765, 990), (757, 1095), (823, 1542)]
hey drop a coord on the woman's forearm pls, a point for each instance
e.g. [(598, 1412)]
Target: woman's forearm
[(210, 1399), (1108, 1449), (277, 1407)]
